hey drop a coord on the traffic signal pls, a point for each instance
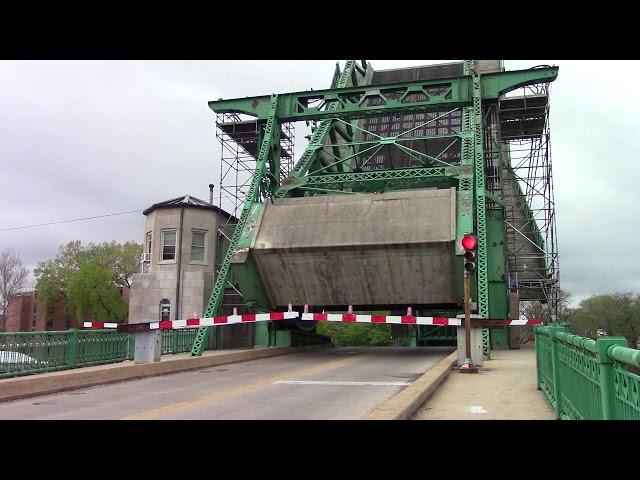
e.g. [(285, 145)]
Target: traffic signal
[(470, 245)]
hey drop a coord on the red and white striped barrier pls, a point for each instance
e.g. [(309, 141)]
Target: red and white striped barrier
[(350, 317), (405, 319), (224, 320), (409, 319), (523, 323), (396, 319), (101, 325), (199, 322)]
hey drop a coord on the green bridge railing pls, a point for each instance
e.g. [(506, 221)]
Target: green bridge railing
[(586, 379), (26, 353), (178, 341)]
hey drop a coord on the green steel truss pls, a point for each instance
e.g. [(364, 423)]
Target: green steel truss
[(481, 222), (335, 159), (397, 99), (314, 149), (373, 180), (264, 179), (263, 186)]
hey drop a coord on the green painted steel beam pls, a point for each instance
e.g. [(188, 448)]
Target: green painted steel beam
[(312, 152), (480, 204), (336, 150), (348, 137), (497, 270), (266, 149), (268, 153), (353, 102), (404, 176), (264, 184)]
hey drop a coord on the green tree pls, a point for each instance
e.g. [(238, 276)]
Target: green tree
[(537, 309), (121, 261), (616, 314), (353, 334), (52, 275), (91, 289)]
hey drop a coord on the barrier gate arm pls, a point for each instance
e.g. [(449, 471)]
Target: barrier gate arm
[(317, 317)]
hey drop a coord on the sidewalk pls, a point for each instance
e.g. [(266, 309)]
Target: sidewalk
[(503, 389)]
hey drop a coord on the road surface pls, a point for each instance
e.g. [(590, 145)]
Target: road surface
[(332, 383)]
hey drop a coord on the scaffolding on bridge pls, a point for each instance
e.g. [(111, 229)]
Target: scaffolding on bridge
[(532, 244), (238, 137)]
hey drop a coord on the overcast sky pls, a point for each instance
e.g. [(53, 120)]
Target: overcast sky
[(84, 138)]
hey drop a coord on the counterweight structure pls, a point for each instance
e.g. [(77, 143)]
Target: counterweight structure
[(401, 164)]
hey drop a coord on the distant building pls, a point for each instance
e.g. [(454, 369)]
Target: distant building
[(25, 314)]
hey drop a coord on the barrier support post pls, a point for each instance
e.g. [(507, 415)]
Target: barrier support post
[(555, 362), (606, 374), (148, 346)]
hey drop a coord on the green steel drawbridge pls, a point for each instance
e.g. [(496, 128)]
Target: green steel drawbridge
[(453, 127)]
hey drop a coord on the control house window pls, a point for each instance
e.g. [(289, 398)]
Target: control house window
[(169, 245), (165, 310), (147, 243), (197, 246)]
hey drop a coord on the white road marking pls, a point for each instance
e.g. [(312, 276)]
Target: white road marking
[(477, 409), (335, 382)]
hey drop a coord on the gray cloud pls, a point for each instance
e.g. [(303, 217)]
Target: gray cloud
[(93, 137)]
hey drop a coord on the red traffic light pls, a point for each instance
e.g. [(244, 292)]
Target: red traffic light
[(469, 242)]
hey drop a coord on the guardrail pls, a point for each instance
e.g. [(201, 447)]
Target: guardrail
[(177, 341), (27, 353), (24, 353), (586, 379)]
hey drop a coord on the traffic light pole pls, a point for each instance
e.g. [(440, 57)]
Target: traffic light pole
[(468, 366)]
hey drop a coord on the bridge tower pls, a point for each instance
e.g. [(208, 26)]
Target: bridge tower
[(401, 164)]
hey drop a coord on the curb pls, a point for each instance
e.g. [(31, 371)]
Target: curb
[(44, 384), (403, 405)]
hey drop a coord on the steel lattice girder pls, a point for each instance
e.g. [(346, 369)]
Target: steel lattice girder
[(268, 157), (267, 163), (310, 154), (352, 102), (267, 148), (399, 176)]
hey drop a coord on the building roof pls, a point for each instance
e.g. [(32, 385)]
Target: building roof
[(188, 201)]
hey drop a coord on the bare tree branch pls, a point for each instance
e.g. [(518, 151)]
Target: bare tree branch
[(13, 279)]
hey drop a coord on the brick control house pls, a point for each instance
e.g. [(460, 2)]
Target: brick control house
[(24, 314)]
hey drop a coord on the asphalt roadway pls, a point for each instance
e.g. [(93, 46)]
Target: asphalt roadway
[(334, 383)]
